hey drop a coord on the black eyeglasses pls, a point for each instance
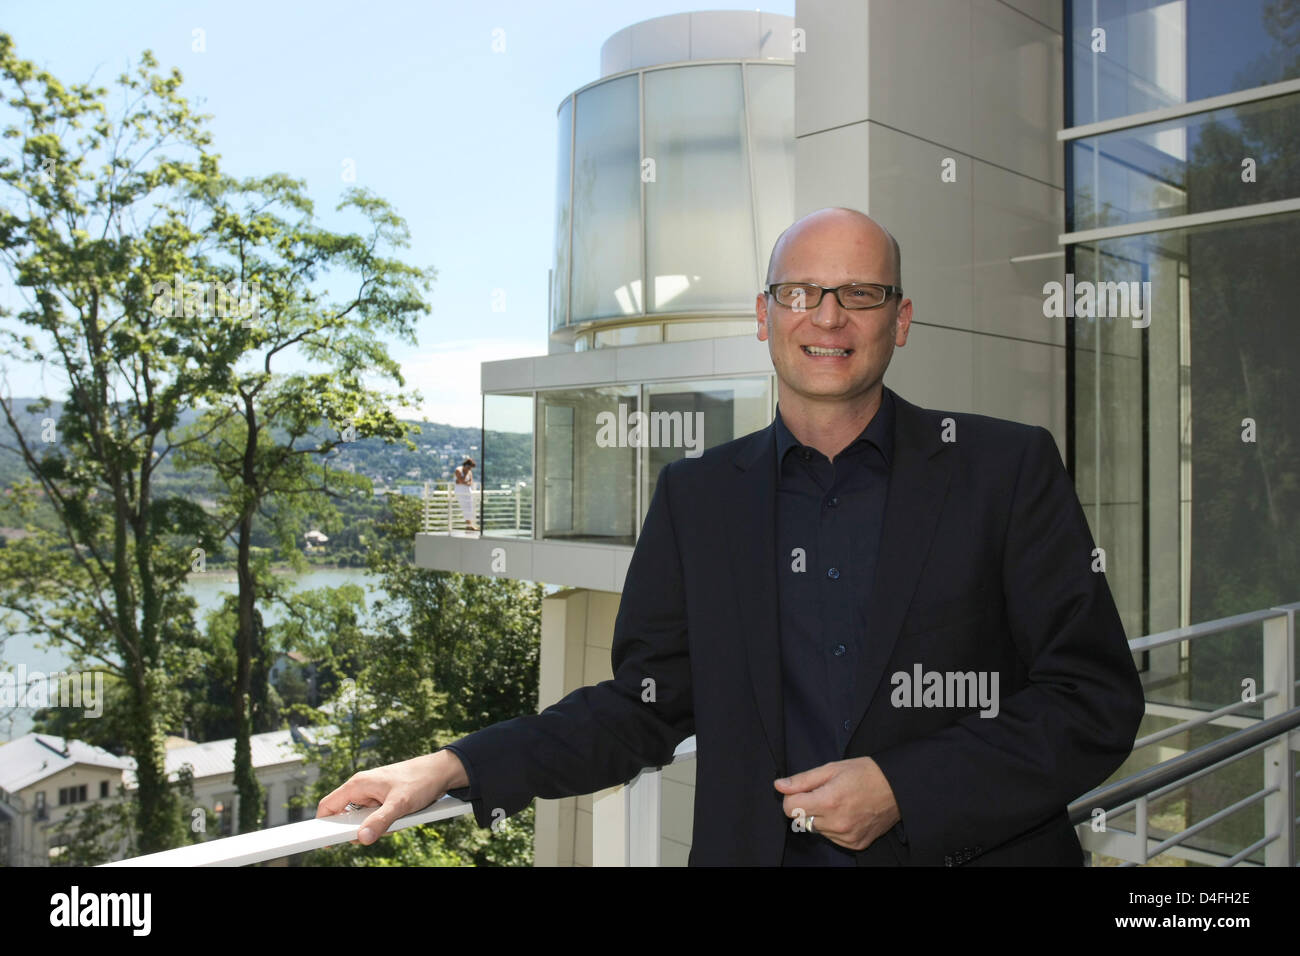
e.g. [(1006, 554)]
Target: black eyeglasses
[(802, 296)]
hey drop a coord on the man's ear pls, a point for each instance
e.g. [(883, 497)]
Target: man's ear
[(902, 322), (760, 310)]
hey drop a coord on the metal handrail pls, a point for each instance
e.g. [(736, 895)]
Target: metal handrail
[(1179, 769)]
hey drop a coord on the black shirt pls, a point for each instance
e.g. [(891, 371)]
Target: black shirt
[(828, 521)]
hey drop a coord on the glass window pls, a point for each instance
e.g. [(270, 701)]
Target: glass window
[(1192, 164), (699, 225), (1188, 473), (507, 475), (771, 126), (686, 418), (587, 458), (1161, 53), (607, 202), (1184, 441), (560, 275)]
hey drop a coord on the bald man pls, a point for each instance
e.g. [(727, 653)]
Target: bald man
[(880, 621)]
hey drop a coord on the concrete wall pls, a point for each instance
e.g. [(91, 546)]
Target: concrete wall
[(885, 94), (577, 632)]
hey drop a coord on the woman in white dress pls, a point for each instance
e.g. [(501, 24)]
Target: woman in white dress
[(464, 491)]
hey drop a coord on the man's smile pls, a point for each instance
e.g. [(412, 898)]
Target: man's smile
[(820, 352)]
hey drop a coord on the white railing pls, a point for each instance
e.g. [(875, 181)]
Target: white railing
[(626, 821), (258, 846), (507, 512), (1277, 693)]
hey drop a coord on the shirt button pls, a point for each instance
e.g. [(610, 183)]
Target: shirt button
[(833, 574), (839, 650), (846, 725), (805, 454)]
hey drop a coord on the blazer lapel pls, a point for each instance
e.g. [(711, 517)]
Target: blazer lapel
[(918, 484), (749, 518)]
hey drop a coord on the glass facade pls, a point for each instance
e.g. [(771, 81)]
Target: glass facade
[(699, 217), (711, 413), (588, 468), (559, 305), (1151, 403), (1185, 457), (1215, 160), (506, 474), (606, 202), (1159, 53), (595, 447), (682, 178)]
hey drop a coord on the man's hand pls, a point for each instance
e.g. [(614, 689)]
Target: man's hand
[(851, 800), (398, 789)]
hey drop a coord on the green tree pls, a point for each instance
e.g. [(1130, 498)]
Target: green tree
[(97, 204), (265, 440), (445, 654)]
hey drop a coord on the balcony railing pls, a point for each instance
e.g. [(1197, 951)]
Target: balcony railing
[(500, 512), (626, 820)]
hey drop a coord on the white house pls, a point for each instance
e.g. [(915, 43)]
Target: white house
[(43, 779)]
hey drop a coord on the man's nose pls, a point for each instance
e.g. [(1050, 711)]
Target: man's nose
[(828, 314)]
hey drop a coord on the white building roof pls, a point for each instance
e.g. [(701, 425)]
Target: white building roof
[(217, 757), (33, 757)]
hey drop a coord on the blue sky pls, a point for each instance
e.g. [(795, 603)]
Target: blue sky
[(461, 139)]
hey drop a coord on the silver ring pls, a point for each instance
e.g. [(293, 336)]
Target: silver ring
[(810, 823), (353, 806)]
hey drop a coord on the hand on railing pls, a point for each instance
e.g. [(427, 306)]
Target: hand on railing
[(395, 790)]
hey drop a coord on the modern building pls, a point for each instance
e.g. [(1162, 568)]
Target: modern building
[(1094, 202)]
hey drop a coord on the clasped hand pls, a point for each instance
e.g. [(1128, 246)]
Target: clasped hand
[(851, 801)]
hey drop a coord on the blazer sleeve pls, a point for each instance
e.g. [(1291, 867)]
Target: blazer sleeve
[(983, 781), (603, 735)]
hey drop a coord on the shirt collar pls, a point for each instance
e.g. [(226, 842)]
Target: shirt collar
[(879, 432)]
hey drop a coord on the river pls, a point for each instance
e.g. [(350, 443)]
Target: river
[(207, 589)]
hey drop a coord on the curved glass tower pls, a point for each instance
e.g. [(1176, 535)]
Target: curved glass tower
[(675, 176)]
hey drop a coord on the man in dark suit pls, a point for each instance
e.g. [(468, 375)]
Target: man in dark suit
[(880, 622)]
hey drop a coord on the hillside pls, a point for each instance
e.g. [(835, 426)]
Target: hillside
[(439, 449)]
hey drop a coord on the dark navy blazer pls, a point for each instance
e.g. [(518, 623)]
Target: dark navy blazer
[(984, 565)]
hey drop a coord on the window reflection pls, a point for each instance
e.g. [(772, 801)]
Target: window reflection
[(1149, 45), (588, 479), (699, 226), (607, 202), (1149, 173)]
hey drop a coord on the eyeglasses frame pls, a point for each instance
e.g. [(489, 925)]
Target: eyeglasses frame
[(890, 292)]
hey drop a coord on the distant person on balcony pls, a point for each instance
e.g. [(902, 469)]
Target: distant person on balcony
[(884, 624), (464, 475)]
